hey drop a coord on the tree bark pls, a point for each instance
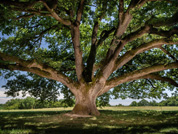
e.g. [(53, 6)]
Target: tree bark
[(85, 103)]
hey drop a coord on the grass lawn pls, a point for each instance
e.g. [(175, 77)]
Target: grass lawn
[(113, 120)]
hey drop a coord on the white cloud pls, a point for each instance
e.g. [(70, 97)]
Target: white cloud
[(120, 101), (61, 96), (2, 89), (2, 93), (4, 100)]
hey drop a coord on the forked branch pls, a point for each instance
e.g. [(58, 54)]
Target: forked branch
[(56, 16)]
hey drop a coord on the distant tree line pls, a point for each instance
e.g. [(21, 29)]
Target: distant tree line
[(33, 103), (170, 101)]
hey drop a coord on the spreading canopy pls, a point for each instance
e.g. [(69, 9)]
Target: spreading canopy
[(128, 45)]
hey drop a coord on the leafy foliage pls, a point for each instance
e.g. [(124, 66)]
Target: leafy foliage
[(41, 88), (75, 42)]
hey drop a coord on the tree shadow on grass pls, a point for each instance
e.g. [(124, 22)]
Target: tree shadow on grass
[(110, 122)]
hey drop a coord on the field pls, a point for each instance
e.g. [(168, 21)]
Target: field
[(113, 120)]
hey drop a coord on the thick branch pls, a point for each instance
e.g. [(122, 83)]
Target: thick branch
[(75, 32), (121, 28), (150, 30), (132, 53), (138, 74), (117, 45), (136, 4), (80, 11), (124, 20), (163, 33), (54, 14), (26, 65), (121, 9), (91, 59), (21, 68)]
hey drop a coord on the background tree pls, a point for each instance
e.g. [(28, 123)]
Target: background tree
[(153, 103), (33, 85), (12, 104), (92, 46), (134, 103), (143, 103), (28, 103), (1, 106)]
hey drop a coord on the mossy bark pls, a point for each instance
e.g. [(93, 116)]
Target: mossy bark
[(85, 104)]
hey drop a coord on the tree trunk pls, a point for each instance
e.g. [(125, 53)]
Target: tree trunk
[(85, 104)]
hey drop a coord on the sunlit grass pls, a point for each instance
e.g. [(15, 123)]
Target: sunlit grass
[(120, 108), (156, 108), (15, 131), (169, 130), (112, 120), (38, 110)]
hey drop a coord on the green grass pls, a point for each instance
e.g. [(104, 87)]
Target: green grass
[(113, 120)]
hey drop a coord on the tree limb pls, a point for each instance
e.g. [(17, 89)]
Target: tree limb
[(31, 65), (80, 11), (121, 9), (117, 44), (132, 53), (150, 30), (138, 74), (136, 4), (75, 32), (163, 33), (54, 14)]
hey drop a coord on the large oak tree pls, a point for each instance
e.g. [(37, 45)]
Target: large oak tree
[(92, 46)]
